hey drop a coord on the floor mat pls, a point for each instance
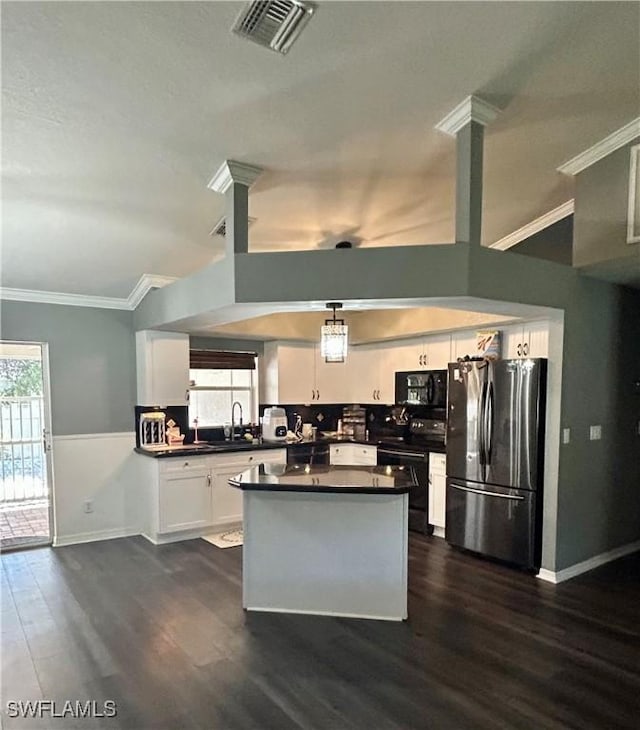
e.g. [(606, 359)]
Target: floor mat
[(230, 538)]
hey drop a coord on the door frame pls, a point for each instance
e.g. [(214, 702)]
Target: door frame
[(48, 453)]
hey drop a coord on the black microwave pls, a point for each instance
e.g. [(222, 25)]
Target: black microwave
[(422, 388)]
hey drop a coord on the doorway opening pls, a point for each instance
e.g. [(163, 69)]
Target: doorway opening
[(25, 446)]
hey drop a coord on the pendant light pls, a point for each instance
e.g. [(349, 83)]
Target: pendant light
[(333, 337)]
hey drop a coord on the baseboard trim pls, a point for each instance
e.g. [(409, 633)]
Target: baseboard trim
[(586, 565), (438, 531), (82, 537), (169, 537), (335, 614)]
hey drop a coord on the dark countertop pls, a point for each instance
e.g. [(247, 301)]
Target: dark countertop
[(334, 479), (225, 447)]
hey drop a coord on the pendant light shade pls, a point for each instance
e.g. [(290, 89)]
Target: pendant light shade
[(333, 337)]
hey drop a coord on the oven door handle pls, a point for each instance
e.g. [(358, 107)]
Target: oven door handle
[(409, 454)]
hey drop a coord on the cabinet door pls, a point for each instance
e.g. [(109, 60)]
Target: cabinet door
[(463, 343), (162, 364), (331, 379), (296, 367), (537, 339), (437, 497), (407, 355), (364, 374), (438, 352), (184, 500), (437, 489), (512, 339), (226, 501), (386, 376)]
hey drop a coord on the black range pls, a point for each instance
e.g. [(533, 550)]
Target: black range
[(412, 451)]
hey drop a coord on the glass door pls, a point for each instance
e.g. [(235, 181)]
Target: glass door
[(25, 446)]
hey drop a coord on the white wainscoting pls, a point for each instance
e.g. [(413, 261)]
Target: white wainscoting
[(102, 468), (596, 561)]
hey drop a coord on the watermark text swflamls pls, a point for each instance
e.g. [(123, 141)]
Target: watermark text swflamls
[(68, 708)]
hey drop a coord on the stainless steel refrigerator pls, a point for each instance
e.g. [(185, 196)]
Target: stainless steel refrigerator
[(495, 447)]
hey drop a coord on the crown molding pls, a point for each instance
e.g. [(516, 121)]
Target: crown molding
[(52, 297), (471, 109), (601, 149), (535, 226), (231, 171), (145, 284), (140, 290)]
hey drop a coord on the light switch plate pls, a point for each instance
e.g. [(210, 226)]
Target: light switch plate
[(566, 435), (595, 433)]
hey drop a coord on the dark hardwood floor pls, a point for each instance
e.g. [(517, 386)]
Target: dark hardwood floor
[(160, 630)]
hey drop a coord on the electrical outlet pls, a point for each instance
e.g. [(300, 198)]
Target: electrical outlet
[(88, 506), (595, 433), (566, 435)]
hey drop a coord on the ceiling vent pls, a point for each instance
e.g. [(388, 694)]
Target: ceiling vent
[(220, 228), (274, 24)]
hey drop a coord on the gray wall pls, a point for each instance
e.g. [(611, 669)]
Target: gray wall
[(599, 495), (554, 243), (602, 197), (91, 358)]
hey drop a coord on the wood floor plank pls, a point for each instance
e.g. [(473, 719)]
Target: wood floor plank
[(161, 631)]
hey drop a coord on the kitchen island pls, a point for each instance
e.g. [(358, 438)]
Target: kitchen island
[(327, 540)]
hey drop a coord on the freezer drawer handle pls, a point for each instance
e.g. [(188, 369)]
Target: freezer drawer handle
[(488, 494)]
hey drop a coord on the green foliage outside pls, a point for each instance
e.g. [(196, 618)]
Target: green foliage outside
[(20, 377)]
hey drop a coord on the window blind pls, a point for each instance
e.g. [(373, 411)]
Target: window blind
[(222, 360)]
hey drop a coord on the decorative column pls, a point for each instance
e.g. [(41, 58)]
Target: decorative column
[(466, 123), (234, 179)]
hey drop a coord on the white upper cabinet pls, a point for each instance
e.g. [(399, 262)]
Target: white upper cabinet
[(162, 368), (530, 339), (287, 373), (292, 373), (425, 353), (371, 374), (437, 352), (463, 344), (332, 380)]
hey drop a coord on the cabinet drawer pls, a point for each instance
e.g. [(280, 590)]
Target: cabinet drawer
[(244, 459), (185, 465)]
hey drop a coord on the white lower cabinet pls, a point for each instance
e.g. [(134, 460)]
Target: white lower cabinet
[(437, 492), (184, 498), (189, 497), (353, 455), (226, 503)]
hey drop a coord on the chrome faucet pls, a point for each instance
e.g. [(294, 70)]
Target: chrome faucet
[(233, 420)]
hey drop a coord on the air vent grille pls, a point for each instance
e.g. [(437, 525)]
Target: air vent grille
[(274, 24), (220, 228)]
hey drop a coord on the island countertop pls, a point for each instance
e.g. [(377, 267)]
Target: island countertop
[(333, 479)]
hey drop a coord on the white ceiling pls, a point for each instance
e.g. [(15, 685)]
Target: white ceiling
[(115, 116)]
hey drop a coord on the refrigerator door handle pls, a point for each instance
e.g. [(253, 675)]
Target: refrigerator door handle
[(483, 492), (488, 429), (481, 425)]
